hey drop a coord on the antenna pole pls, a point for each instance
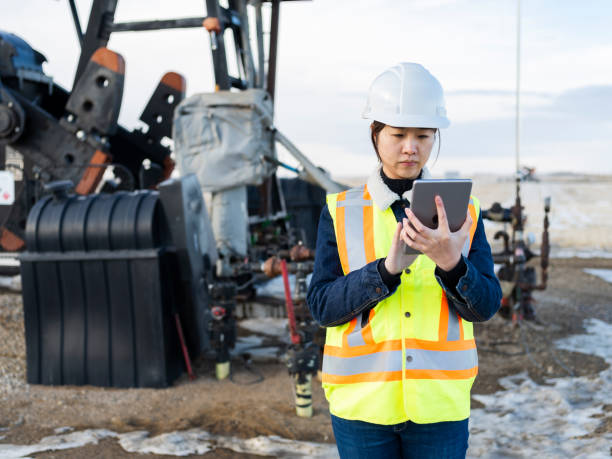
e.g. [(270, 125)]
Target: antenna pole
[(518, 83)]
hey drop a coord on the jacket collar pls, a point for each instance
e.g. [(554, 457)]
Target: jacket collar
[(382, 196)]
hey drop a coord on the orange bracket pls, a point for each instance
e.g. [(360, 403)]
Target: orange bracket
[(93, 174), (212, 25)]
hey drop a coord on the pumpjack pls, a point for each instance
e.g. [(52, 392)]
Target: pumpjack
[(52, 138)]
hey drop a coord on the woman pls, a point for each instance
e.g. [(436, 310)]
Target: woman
[(400, 356)]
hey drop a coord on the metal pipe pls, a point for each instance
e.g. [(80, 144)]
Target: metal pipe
[(281, 164), (247, 52), (518, 83), (77, 23), (545, 249), (101, 15), (313, 172), (179, 329), (222, 78), (273, 47), (295, 338), (139, 26), (261, 71)]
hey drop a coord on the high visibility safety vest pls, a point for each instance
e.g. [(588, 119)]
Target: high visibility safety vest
[(410, 358)]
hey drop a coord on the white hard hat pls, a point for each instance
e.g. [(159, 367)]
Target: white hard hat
[(407, 95)]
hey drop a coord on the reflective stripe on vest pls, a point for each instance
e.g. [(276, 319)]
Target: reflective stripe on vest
[(383, 362), (360, 358), (354, 213), (450, 327)]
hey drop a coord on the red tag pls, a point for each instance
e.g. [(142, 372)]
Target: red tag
[(6, 195)]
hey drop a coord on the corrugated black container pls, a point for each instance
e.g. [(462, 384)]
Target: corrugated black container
[(97, 291)]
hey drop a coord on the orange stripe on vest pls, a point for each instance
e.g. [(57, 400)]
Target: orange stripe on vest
[(443, 325), (442, 374), (367, 331), (341, 234), (472, 210), (362, 377), (397, 376), (356, 351), (368, 228)]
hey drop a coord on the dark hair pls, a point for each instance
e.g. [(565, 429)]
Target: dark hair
[(377, 126)]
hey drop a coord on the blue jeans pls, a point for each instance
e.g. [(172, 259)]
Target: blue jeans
[(363, 440)]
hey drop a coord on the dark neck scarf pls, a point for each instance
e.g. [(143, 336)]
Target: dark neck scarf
[(398, 186)]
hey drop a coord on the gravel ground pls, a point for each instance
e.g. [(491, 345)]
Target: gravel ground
[(30, 412)]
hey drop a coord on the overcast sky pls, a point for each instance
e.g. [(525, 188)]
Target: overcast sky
[(330, 51)]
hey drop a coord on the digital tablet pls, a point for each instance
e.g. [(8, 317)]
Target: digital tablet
[(455, 194)]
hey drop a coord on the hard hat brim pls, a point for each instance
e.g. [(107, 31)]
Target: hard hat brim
[(416, 121)]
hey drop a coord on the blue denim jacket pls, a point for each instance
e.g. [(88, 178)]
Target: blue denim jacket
[(334, 298)]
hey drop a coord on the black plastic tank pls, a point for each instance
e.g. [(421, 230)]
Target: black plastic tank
[(97, 291)]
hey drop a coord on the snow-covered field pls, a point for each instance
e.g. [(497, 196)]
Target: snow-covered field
[(580, 221)]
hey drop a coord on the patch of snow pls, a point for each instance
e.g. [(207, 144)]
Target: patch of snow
[(9, 260), (529, 420), (605, 274), (271, 326), (174, 443), (275, 287), (198, 441), (573, 253), (56, 442), (184, 443), (253, 345), (245, 344), (596, 341), (11, 283), (265, 353), (280, 447)]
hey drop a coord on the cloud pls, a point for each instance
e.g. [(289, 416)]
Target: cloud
[(593, 103), (495, 93), (570, 131)]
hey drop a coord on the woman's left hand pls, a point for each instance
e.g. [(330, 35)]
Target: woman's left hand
[(439, 244)]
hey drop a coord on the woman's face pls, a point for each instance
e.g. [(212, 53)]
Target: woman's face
[(404, 151)]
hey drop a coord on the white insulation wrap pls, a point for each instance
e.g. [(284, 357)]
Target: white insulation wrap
[(229, 221), (222, 137)]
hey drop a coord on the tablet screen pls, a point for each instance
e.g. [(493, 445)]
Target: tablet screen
[(455, 194)]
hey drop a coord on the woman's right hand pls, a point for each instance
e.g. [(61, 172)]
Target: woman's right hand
[(397, 260)]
